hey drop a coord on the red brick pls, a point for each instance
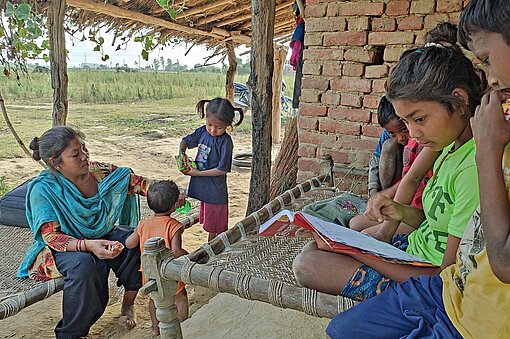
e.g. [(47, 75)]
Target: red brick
[(393, 53), (394, 8), (307, 164), (315, 138), (371, 131), (334, 24), (376, 71), (313, 110), (351, 85), (358, 24), (371, 101), (310, 95), (448, 6), (378, 85), (351, 100), (410, 22), (348, 143), (307, 151), (315, 10), (314, 83), (330, 98), (339, 157), (351, 114), (353, 70), (309, 123), (312, 68), (332, 9), (431, 21), (314, 39), (360, 55), (383, 24), (323, 54), (345, 38), (333, 126), (390, 38), (333, 68), (349, 8), (422, 7)]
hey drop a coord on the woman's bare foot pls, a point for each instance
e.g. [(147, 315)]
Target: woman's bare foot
[(127, 319)]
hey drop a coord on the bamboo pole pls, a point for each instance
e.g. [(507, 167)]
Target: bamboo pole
[(232, 67), (228, 13), (15, 134), (279, 61)]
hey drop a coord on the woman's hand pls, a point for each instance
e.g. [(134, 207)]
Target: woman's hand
[(104, 249), (490, 129), (382, 208)]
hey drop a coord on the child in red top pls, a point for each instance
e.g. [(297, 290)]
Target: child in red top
[(163, 197)]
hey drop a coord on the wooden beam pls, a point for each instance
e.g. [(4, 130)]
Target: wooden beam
[(231, 72), (234, 20), (58, 61), (117, 12), (202, 8), (260, 82), (278, 12), (211, 19), (279, 61)]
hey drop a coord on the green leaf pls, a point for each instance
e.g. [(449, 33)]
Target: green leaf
[(145, 55), (46, 57), (118, 48), (138, 39), (100, 40), (97, 48), (9, 10), (23, 11), (173, 13), (105, 57)]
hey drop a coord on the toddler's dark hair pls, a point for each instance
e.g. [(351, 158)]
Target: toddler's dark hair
[(484, 15), (52, 143), (162, 195), (431, 73), (221, 109), (385, 112)]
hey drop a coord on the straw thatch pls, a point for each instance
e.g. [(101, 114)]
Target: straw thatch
[(212, 23)]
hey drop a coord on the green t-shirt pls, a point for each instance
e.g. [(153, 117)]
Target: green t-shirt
[(449, 200)]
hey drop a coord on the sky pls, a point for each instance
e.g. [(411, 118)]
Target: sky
[(83, 52)]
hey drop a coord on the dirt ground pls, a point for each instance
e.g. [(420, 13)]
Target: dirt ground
[(149, 157)]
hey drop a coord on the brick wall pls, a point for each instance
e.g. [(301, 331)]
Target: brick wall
[(349, 49)]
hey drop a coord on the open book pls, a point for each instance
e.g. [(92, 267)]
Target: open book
[(338, 238)]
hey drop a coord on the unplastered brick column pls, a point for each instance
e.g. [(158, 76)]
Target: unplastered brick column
[(350, 47)]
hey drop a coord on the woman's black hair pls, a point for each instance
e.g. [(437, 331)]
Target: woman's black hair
[(52, 143), (431, 73), (385, 112), (162, 195), (221, 109), (484, 15)]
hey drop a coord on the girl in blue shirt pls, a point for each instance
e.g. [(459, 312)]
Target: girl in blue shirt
[(208, 181)]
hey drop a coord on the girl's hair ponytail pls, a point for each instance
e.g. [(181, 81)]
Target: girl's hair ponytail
[(432, 72), (241, 115), (200, 107)]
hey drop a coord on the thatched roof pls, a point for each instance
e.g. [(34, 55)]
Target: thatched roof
[(209, 22)]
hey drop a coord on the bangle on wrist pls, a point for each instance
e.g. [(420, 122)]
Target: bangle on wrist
[(85, 245)]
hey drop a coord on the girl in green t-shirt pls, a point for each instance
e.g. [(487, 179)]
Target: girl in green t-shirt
[(434, 90)]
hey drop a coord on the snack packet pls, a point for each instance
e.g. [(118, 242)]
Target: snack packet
[(184, 163), (115, 247)]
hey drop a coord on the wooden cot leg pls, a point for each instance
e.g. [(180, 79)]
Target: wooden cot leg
[(161, 290)]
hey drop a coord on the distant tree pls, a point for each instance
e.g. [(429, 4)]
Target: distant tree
[(162, 61), (136, 64), (155, 63)]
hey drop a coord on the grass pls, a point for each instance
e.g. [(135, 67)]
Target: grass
[(113, 87), (4, 188)]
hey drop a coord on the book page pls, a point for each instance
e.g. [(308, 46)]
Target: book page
[(331, 232)]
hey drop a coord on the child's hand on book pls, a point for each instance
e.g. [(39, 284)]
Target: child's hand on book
[(382, 208), (376, 233)]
